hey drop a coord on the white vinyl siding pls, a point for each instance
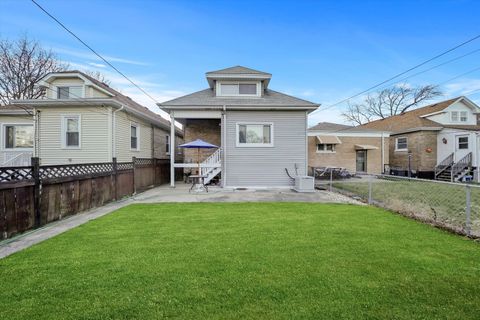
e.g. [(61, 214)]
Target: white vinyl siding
[(95, 131), (265, 167), (123, 141)]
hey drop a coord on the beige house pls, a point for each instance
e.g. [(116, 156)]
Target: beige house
[(355, 149), (82, 120), (16, 136), (440, 141)]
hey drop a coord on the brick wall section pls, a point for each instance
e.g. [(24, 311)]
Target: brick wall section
[(206, 129), (345, 154), (160, 145), (418, 143)]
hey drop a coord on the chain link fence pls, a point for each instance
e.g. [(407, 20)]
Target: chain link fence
[(453, 206)]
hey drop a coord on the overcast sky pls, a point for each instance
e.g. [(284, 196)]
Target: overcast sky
[(322, 51)]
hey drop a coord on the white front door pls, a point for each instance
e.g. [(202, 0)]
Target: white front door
[(463, 145)]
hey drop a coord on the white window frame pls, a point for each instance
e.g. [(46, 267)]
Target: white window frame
[(254, 145), (167, 143), (219, 88), (4, 136), (460, 116), (458, 141), (396, 144), (82, 95), (137, 126), (325, 148), (64, 131), (456, 118)]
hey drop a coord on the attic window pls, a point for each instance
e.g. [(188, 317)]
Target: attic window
[(70, 92), (238, 89)]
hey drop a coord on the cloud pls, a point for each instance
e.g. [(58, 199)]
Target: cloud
[(91, 56), (463, 87), (97, 65)]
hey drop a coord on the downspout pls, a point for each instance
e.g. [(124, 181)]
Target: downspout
[(224, 146), (36, 123), (114, 136), (382, 170)]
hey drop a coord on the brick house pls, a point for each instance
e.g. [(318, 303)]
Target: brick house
[(358, 150), (441, 140)]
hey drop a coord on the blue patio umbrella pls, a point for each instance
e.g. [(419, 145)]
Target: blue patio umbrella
[(198, 144)]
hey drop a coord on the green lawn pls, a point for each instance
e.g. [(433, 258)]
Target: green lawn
[(248, 260)]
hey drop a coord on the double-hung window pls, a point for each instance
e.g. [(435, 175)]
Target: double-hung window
[(71, 128), (454, 116), (463, 116), (255, 135), (167, 144), (18, 136), (463, 142), (401, 144), (134, 137), (69, 92)]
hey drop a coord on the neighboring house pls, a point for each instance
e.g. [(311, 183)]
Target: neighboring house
[(16, 136), (82, 120), (260, 132), (440, 140), (359, 150)]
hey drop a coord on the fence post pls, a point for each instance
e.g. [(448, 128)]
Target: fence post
[(115, 170), (331, 179), (369, 189), (468, 209), (134, 185), (409, 165), (36, 191), (155, 164)]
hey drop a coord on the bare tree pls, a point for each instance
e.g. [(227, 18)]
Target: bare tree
[(389, 102), (98, 76), (22, 64)]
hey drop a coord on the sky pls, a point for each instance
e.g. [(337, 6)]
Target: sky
[(321, 51)]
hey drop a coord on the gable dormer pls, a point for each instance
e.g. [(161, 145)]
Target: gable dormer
[(462, 111), (71, 85), (238, 82)]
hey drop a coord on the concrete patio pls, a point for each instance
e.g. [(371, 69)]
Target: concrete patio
[(167, 194)]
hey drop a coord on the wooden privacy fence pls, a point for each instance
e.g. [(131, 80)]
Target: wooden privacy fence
[(33, 196)]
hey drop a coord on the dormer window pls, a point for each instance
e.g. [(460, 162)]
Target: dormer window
[(69, 92), (459, 116), (238, 89)]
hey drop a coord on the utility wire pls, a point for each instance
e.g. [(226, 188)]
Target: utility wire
[(95, 52), (399, 74)]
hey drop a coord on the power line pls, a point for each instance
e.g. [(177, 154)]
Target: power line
[(95, 52), (399, 74)]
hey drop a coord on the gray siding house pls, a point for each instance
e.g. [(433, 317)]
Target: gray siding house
[(260, 132)]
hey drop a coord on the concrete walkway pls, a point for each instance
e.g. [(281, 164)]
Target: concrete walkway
[(167, 194)]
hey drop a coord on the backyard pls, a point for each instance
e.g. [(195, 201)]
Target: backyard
[(245, 260)]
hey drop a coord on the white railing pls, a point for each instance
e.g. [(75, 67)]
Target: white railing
[(211, 163), (17, 159)]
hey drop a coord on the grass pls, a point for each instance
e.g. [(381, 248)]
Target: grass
[(444, 203), (245, 261)]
